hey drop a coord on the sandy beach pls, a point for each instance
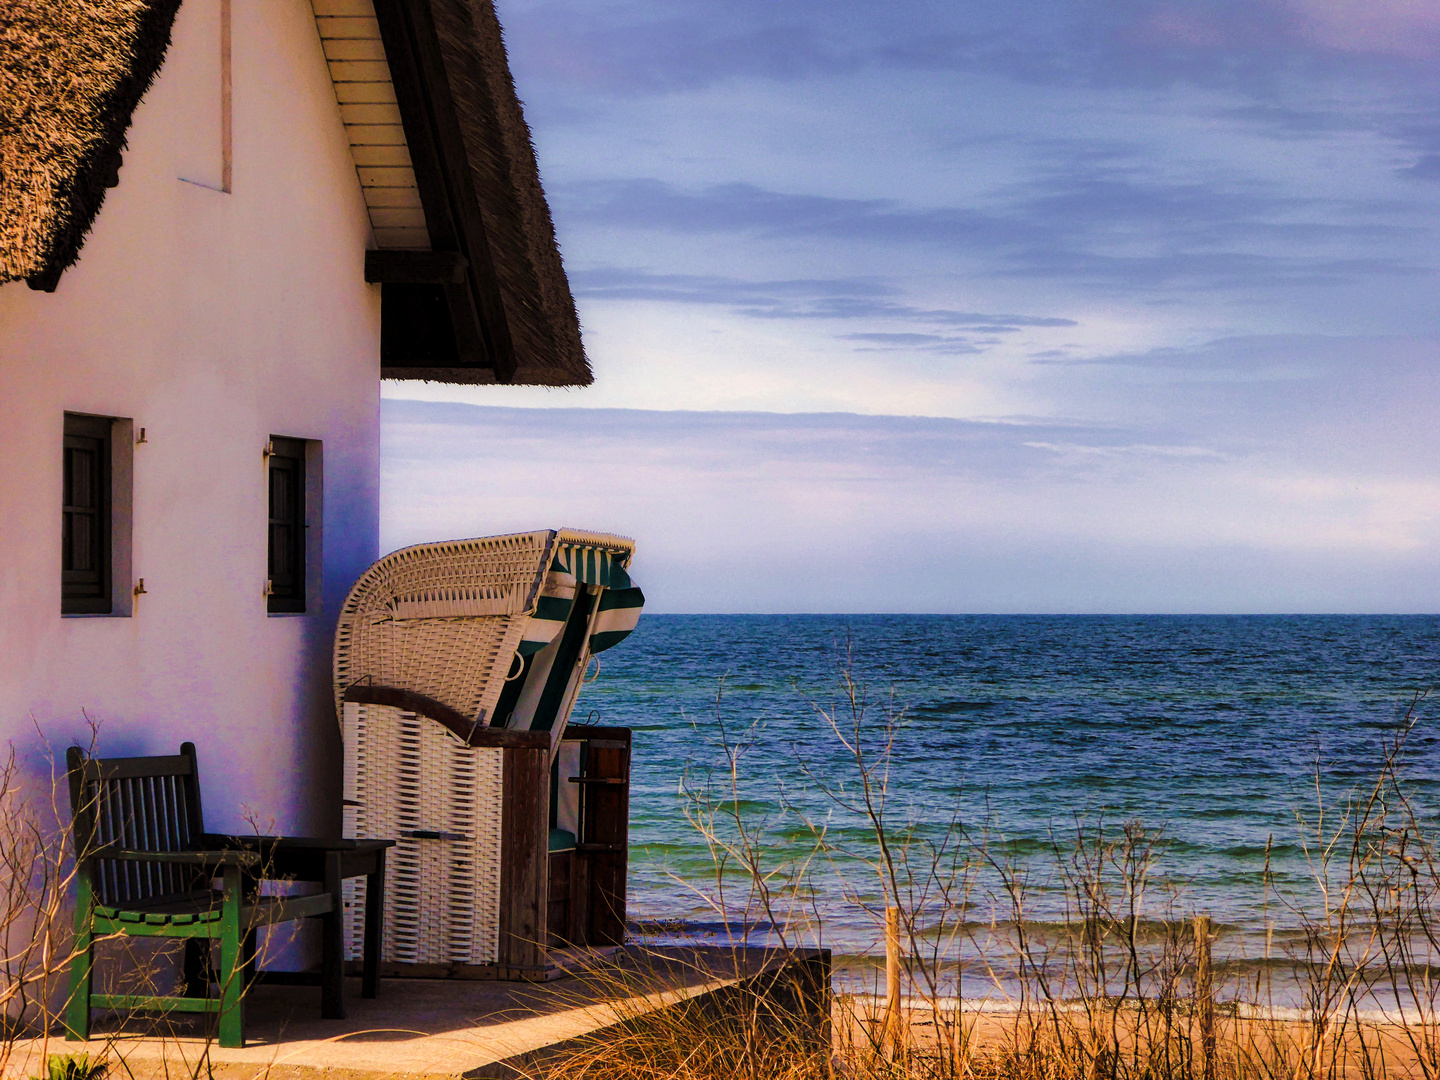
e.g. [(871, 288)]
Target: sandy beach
[(997, 1038)]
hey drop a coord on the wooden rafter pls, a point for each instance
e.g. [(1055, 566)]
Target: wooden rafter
[(443, 178), (415, 267)]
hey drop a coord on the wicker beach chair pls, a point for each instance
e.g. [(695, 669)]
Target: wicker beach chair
[(448, 657)]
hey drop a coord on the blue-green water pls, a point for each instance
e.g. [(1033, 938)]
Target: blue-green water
[(1211, 728)]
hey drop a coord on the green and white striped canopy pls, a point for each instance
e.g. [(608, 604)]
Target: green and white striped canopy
[(572, 567), (593, 566), (618, 616)]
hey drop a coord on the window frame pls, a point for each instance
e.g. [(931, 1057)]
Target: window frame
[(290, 595), (88, 592)]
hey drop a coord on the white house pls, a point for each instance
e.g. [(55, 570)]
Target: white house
[(221, 222)]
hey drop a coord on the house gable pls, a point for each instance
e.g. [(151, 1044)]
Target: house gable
[(444, 157), (441, 150)]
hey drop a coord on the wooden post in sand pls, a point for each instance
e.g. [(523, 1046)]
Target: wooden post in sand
[(893, 1020), (1205, 994)]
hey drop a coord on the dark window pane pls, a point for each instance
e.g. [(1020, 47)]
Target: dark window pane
[(286, 541), (85, 516), (82, 544), (281, 498), (83, 475), (281, 568)]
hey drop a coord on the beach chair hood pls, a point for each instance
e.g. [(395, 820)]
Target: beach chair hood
[(497, 630)]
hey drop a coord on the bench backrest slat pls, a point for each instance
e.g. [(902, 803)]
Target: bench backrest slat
[(122, 768), (141, 804)]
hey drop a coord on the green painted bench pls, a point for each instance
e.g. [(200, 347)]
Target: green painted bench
[(145, 867)]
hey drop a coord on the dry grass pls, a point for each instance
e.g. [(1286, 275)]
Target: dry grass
[(1106, 991)]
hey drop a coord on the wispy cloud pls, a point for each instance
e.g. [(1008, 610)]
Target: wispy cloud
[(815, 298), (767, 512), (1140, 449), (1171, 264), (936, 343), (1397, 28), (1101, 227), (642, 48)]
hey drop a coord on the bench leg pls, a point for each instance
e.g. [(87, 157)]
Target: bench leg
[(82, 966), (232, 965), (332, 944), (374, 924)]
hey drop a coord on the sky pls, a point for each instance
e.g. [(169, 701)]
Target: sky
[(975, 307)]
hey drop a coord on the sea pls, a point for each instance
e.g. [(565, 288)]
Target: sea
[(1003, 755)]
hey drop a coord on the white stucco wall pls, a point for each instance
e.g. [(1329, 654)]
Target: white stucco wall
[(213, 320)]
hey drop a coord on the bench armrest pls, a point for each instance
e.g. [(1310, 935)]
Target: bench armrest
[(241, 859)]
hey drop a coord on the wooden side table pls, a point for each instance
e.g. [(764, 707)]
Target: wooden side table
[(329, 862)]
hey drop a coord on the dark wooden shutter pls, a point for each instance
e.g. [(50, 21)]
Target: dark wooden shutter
[(287, 525), (85, 517)]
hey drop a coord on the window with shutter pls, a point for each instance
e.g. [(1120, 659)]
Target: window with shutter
[(287, 526), (85, 558)]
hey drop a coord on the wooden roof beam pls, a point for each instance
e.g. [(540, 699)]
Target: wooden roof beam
[(390, 267), (445, 184)]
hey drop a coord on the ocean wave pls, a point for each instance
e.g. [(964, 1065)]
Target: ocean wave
[(707, 927), (1207, 726), (951, 708)]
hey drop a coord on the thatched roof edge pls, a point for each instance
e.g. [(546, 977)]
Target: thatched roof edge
[(71, 75), (539, 307), (481, 376)]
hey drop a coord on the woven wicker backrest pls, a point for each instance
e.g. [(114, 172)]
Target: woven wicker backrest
[(408, 779), (444, 620)]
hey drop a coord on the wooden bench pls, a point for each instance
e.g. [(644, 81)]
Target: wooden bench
[(145, 867)]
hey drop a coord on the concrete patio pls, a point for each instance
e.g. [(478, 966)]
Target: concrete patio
[(426, 1028)]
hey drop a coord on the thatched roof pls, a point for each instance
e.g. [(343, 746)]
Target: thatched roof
[(73, 71), (539, 308), (71, 74), (511, 317)]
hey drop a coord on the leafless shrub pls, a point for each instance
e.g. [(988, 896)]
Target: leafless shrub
[(37, 875), (1103, 989)]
